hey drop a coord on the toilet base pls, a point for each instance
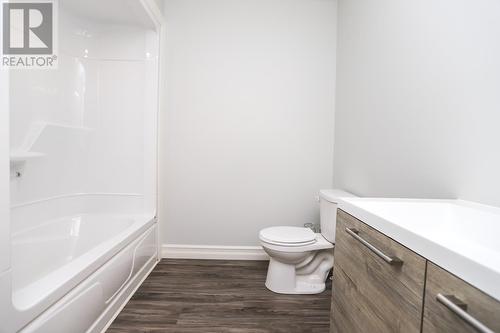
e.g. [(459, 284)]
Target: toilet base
[(307, 277), (303, 288)]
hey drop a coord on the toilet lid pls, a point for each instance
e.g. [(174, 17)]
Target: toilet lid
[(288, 235)]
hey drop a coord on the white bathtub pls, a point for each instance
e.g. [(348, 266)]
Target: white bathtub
[(72, 273)]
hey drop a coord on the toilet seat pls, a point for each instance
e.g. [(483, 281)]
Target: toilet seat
[(288, 236), (320, 243)]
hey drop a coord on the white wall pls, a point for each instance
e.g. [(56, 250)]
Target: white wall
[(418, 98), (247, 135)]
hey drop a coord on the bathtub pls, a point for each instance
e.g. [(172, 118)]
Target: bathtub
[(72, 273)]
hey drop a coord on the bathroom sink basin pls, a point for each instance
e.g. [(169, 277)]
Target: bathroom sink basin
[(460, 236)]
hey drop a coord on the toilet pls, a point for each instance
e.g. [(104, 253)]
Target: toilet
[(300, 259)]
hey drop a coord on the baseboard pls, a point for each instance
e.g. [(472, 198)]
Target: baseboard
[(181, 251)]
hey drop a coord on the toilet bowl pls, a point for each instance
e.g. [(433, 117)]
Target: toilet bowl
[(300, 259), (299, 267)]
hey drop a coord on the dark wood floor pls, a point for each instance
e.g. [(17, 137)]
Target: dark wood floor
[(218, 296)]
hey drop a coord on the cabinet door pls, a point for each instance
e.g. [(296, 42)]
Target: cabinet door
[(378, 284), (452, 305)]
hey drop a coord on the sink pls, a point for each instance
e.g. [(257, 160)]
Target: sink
[(458, 235)]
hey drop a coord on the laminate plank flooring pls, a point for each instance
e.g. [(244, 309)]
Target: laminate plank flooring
[(218, 296)]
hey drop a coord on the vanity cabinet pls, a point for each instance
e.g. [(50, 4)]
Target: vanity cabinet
[(452, 305), (378, 284)]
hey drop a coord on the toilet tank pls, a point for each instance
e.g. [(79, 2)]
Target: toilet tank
[(328, 211)]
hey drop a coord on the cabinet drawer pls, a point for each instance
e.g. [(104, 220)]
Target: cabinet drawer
[(370, 294), (439, 317)]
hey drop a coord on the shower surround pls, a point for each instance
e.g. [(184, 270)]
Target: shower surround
[(83, 143)]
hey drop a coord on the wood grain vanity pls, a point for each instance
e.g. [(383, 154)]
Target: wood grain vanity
[(382, 286)]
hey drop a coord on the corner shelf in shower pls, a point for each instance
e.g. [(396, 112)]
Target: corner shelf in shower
[(18, 159), (37, 129), (23, 156)]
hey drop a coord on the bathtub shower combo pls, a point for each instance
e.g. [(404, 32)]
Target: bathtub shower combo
[(83, 171)]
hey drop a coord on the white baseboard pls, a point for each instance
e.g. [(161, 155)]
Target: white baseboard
[(181, 251)]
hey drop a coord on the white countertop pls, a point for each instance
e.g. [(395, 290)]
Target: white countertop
[(460, 236)]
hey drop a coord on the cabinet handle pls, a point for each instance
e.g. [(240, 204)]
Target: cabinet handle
[(455, 306), (391, 260)]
